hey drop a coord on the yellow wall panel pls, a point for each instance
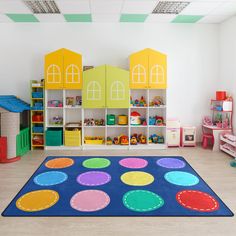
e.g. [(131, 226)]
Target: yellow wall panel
[(139, 70), (53, 70), (72, 70)]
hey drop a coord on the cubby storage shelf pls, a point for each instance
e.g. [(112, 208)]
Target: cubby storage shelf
[(71, 114)]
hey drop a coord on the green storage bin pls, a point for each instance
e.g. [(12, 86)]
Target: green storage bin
[(54, 137)]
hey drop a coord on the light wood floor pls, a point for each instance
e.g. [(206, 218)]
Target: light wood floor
[(213, 167)]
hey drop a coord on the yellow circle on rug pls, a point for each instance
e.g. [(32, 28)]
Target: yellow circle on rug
[(37, 200), (137, 178)]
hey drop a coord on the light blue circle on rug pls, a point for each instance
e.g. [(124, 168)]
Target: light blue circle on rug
[(50, 178), (181, 178)]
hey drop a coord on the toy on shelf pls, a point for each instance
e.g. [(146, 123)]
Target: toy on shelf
[(70, 101), (207, 120), (56, 120), (157, 101), (135, 118), (74, 101), (74, 124), (124, 140), (109, 141), (134, 139), (55, 103), (122, 120), (138, 103), (37, 117), (78, 101), (38, 140), (138, 139), (94, 140), (111, 119), (142, 139), (156, 139), (94, 122), (116, 140), (156, 120)]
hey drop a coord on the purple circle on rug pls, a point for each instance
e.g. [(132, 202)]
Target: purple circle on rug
[(93, 178), (133, 163), (171, 163)]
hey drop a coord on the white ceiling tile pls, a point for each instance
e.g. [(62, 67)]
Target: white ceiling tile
[(4, 19), (50, 18), (73, 6), (106, 6), (213, 19), (106, 18), (13, 6), (200, 8), (162, 18), (226, 8), (138, 6)]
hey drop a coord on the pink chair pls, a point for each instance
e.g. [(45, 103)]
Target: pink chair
[(206, 138)]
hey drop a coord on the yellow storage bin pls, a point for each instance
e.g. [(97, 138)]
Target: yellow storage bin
[(94, 140), (73, 138)]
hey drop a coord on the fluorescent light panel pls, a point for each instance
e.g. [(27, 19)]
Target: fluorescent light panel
[(42, 7), (169, 7)]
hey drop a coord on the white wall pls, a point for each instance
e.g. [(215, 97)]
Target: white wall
[(228, 60), (193, 54)]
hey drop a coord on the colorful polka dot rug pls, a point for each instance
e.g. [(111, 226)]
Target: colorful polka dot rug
[(116, 186)]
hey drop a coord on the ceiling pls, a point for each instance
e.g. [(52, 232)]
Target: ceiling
[(121, 11)]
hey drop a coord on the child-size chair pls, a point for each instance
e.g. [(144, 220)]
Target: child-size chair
[(206, 137)]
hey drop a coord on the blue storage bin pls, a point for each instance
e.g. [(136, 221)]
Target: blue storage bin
[(37, 129), (37, 94)]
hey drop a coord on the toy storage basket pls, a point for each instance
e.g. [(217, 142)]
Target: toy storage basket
[(54, 137), (90, 140), (37, 129), (37, 94), (72, 138)]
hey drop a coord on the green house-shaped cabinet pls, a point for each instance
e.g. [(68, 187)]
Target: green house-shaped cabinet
[(106, 86)]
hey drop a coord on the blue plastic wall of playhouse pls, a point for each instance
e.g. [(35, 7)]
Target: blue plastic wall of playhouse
[(13, 104)]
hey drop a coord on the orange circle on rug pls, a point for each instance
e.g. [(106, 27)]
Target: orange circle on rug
[(59, 163), (37, 200), (197, 201)]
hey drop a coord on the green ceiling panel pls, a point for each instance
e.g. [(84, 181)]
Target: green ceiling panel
[(78, 17), (187, 19), (133, 17), (22, 17)]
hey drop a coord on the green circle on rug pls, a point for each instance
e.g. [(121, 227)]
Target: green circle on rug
[(96, 163), (142, 201)]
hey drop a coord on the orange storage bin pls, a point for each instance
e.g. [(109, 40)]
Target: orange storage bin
[(220, 95)]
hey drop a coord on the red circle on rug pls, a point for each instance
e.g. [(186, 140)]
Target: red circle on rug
[(197, 201)]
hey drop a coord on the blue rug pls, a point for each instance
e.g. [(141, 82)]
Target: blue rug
[(116, 186)]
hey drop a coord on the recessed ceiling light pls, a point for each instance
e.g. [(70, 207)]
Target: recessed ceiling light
[(42, 7), (170, 7)]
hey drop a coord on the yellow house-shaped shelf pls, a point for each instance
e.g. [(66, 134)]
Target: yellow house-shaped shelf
[(63, 70), (148, 69)]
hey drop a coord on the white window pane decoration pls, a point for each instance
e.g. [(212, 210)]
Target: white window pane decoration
[(94, 91), (157, 74), (139, 74), (117, 91), (72, 74), (53, 74)]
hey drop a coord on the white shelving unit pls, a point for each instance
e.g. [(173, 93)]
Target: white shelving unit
[(76, 114), (227, 146)]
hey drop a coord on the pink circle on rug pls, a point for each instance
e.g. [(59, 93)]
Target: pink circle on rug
[(89, 200), (93, 178), (133, 163)]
